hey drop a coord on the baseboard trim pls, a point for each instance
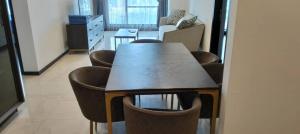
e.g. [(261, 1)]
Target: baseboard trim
[(47, 66)]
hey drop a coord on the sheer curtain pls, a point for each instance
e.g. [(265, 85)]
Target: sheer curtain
[(141, 14)]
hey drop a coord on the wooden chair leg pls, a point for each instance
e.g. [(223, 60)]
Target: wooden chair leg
[(91, 127)]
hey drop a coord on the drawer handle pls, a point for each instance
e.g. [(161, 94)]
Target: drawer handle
[(90, 29), (96, 25), (91, 40), (97, 34)]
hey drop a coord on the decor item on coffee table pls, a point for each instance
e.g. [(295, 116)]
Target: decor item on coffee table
[(126, 33), (190, 36)]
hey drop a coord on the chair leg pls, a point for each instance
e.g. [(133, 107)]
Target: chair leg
[(140, 101), (178, 105), (172, 101), (96, 129), (91, 127)]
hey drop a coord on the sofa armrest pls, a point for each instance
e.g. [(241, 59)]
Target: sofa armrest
[(191, 37), (163, 21)]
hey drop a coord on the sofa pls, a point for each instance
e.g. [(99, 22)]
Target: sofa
[(191, 37)]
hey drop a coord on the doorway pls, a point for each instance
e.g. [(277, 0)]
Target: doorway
[(220, 28)]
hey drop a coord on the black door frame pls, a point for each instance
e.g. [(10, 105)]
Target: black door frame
[(15, 63), (218, 27)]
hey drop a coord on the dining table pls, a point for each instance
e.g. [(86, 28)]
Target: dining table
[(158, 68)]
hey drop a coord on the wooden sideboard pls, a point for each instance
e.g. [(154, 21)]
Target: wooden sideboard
[(85, 36)]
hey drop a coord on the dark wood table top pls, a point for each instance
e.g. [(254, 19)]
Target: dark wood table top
[(150, 67)]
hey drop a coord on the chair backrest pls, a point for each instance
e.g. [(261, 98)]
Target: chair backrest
[(88, 84), (215, 70), (205, 57), (102, 58), (142, 121), (146, 41)]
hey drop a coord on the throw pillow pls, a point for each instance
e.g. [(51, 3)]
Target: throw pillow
[(186, 22), (175, 16)]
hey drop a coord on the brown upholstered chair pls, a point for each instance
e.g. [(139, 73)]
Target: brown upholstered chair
[(89, 85), (146, 41), (215, 70), (143, 121), (104, 58), (205, 57)]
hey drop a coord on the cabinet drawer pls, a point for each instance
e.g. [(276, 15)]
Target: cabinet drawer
[(98, 22)]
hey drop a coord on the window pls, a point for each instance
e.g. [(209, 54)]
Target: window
[(132, 13), (137, 9)]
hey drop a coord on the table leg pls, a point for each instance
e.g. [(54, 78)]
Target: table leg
[(213, 118), (108, 99)]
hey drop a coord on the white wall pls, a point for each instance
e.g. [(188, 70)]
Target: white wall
[(44, 30), (204, 9), (261, 89), (178, 4), (28, 51)]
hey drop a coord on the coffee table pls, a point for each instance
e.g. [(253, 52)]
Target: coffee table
[(126, 33)]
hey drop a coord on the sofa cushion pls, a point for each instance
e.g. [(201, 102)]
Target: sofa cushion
[(165, 28), (186, 22), (175, 16)]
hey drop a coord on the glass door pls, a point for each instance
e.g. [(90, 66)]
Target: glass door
[(10, 88)]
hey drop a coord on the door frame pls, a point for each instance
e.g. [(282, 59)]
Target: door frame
[(218, 27), (14, 59)]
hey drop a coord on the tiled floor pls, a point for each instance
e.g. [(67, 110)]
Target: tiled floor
[(51, 107)]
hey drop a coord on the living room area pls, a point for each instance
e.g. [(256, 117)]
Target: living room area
[(58, 36), (242, 78), (49, 29), (123, 21)]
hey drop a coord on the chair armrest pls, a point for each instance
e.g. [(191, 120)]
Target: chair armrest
[(163, 21)]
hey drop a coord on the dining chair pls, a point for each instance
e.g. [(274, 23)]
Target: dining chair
[(89, 84), (215, 70), (205, 57), (104, 58), (145, 121), (147, 41)]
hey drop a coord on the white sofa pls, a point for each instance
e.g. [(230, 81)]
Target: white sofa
[(191, 37)]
